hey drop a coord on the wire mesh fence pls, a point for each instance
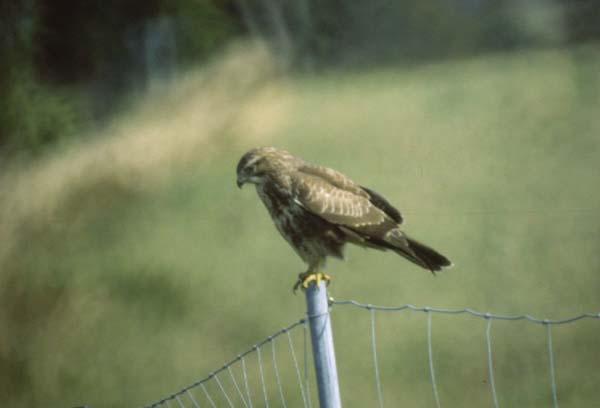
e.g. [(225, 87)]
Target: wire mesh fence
[(489, 319), (275, 371), (253, 377)]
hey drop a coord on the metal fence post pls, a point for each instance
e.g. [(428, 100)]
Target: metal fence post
[(322, 345)]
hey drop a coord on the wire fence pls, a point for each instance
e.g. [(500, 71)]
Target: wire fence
[(237, 390), (489, 317), (231, 390)]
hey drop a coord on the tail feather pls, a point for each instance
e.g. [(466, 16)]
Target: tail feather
[(424, 256)]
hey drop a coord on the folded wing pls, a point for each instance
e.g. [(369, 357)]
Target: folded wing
[(364, 216), (348, 208)]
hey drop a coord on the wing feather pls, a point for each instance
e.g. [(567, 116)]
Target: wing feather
[(333, 177), (380, 202), (343, 182), (339, 206)]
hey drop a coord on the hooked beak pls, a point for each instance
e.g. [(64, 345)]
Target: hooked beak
[(241, 181)]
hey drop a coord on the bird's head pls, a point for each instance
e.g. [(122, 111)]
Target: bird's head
[(257, 164), (252, 167)]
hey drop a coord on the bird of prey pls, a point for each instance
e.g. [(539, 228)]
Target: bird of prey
[(318, 210)]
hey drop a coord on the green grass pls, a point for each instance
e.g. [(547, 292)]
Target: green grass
[(133, 265)]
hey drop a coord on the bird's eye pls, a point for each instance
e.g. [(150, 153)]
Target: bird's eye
[(255, 167), (251, 169)]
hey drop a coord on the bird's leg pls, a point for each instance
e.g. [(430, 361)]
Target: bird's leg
[(305, 278)]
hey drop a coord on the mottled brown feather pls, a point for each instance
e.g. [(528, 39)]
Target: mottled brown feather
[(318, 210), (339, 206), (383, 204), (333, 177)]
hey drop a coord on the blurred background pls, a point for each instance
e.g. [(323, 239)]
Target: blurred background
[(131, 265)]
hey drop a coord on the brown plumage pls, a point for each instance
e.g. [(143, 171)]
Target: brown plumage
[(318, 210)]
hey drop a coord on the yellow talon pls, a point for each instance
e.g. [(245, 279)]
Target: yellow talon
[(304, 279), (318, 277)]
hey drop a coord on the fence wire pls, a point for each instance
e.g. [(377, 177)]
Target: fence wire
[(489, 317), (240, 391), (234, 396)]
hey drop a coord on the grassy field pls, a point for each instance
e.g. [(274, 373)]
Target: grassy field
[(132, 265)]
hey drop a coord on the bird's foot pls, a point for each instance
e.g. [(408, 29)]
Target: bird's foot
[(304, 279)]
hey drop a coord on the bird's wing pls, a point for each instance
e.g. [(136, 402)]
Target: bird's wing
[(380, 202), (333, 177), (343, 182), (340, 206), (363, 221)]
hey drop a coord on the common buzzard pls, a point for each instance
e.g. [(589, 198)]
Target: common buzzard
[(318, 210)]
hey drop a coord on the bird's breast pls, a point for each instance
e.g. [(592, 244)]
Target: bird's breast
[(311, 236)]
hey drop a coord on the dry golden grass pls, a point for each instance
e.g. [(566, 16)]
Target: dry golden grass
[(173, 125)]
